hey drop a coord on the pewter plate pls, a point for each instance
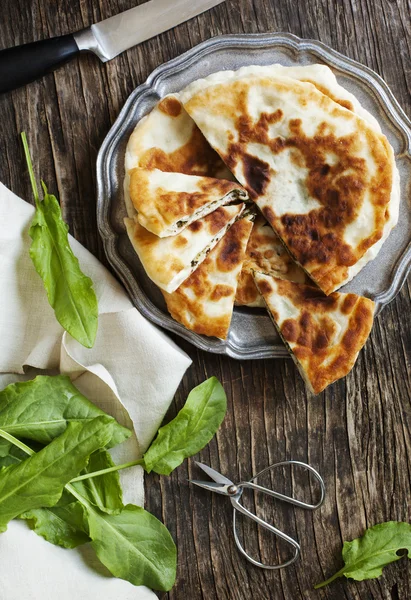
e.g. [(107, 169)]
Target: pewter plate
[(251, 334)]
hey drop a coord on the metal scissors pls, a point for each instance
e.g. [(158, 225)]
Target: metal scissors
[(223, 485)]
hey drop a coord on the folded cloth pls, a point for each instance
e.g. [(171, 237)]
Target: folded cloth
[(132, 373)]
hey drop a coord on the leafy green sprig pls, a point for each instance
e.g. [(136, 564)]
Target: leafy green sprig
[(69, 291), (366, 556), (69, 509), (191, 430)]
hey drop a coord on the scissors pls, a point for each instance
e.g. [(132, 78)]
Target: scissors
[(223, 485)]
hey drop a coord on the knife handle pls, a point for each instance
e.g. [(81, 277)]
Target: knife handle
[(23, 64)]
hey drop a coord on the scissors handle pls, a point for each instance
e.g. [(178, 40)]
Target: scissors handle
[(294, 501), (240, 508)]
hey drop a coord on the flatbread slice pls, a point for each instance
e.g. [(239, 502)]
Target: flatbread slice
[(168, 202), (323, 177), (323, 333), (168, 139), (318, 75), (169, 261), (265, 253), (204, 302)]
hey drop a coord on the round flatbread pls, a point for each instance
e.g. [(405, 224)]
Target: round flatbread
[(323, 177)]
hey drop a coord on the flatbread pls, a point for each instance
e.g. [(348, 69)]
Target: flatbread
[(168, 139), (324, 178), (168, 202), (204, 302), (319, 75), (169, 261), (323, 333), (264, 253)]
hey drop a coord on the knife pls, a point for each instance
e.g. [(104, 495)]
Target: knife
[(107, 39)]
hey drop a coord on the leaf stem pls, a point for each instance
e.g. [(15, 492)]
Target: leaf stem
[(76, 494), (108, 470), (327, 581), (16, 442), (30, 167), (68, 486), (27, 450)]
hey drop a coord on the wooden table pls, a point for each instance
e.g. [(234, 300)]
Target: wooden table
[(358, 432)]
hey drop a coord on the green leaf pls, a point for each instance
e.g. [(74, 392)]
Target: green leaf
[(38, 481), (135, 546), (105, 491), (64, 524), (190, 431), (69, 291), (365, 557), (41, 409), (5, 448), (60, 525), (10, 454)]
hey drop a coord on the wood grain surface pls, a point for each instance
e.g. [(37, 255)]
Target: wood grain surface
[(358, 432)]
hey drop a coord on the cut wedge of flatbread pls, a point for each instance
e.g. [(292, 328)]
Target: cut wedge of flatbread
[(265, 253), (204, 302), (323, 333), (167, 203), (319, 75), (323, 177), (169, 261), (168, 139)]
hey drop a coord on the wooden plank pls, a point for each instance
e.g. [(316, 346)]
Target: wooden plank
[(357, 433)]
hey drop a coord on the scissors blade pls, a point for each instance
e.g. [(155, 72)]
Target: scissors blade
[(215, 475), (211, 486)]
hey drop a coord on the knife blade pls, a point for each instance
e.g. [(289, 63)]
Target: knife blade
[(109, 38), (22, 64)]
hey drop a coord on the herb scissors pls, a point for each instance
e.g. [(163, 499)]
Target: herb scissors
[(223, 485)]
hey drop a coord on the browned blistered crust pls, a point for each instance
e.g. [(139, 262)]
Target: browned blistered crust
[(196, 157), (247, 293), (170, 106), (310, 335), (314, 239), (146, 243), (188, 304), (264, 253), (172, 205)]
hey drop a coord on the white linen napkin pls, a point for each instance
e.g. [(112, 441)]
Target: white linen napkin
[(132, 372)]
